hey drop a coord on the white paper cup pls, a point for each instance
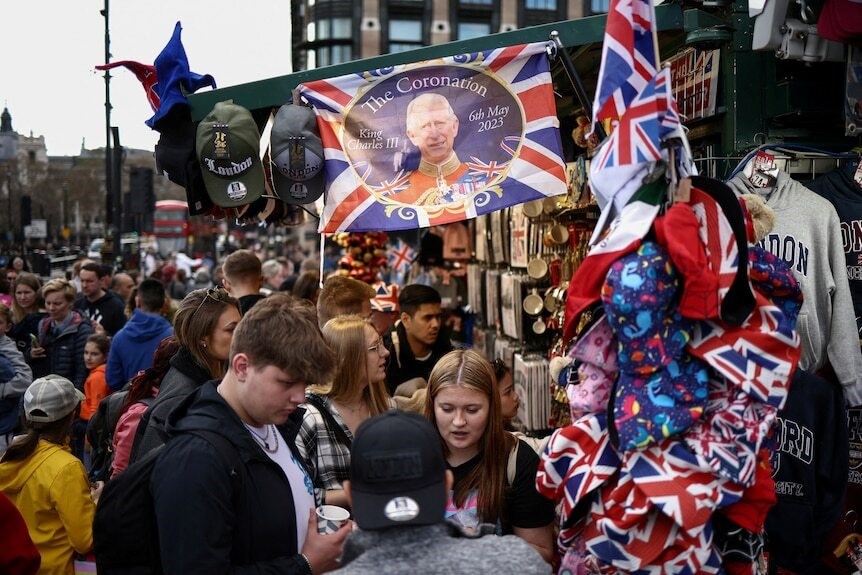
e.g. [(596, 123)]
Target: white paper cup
[(330, 518)]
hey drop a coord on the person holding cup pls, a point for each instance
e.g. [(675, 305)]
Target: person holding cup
[(334, 411), (270, 526)]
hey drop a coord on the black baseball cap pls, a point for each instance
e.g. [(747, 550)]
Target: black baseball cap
[(297, 155), (397, 472), (176, 158)]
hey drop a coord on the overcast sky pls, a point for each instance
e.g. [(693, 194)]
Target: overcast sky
[(48, 50)]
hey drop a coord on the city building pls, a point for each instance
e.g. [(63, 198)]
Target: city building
[(328, 32), (66, 192)]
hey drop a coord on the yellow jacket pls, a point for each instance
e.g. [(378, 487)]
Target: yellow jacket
[(51, 490)]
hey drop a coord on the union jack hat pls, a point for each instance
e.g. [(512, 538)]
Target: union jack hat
[(385, 298)]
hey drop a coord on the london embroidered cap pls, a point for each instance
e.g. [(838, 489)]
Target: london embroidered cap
[(297, 155), (50, 398), (397, 472), (228, 148)]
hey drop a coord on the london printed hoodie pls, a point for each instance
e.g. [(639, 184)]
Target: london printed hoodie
[(807, 236)]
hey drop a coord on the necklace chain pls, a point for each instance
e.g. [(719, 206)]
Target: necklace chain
[(263, 440)]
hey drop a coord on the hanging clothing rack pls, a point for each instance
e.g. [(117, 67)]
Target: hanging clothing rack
[(795, 151)]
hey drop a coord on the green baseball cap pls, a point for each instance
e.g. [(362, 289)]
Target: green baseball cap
[(228, 148)]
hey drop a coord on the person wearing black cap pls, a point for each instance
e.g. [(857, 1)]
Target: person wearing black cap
[(398, 488)]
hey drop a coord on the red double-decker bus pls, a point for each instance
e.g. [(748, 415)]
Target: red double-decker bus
[(171, 226)]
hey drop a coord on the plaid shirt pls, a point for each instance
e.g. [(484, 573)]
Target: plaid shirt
[(326, 457)]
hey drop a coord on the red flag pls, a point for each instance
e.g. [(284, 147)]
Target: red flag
[(144, 72)]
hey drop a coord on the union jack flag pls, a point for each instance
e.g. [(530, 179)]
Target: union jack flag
[(486, 170), (628, 57), (400, 257), (504, 109), (650, 117), (393, 186), (722, 253), (732, 431)]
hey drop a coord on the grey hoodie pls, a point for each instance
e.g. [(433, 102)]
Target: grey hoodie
[(807, 236), (22, 377), (436, 550)]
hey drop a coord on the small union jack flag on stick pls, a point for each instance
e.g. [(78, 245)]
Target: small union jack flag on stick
[(400, 258)]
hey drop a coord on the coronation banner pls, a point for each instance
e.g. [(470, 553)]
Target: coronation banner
[(438, 141)]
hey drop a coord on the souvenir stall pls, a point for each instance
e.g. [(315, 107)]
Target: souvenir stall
[(658, 321)]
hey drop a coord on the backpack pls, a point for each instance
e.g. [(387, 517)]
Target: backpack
[(100, 433), (125, 534)]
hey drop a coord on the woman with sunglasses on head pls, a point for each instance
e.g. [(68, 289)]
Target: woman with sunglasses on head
[(27, 311), (333, 412), (203, 326), (464, 404)]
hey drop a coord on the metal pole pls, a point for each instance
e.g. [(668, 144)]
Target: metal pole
[(116, 193), (108, 159), (9, 204), (577, 84)]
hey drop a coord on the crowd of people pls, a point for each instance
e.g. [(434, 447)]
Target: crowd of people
[(243, 406)]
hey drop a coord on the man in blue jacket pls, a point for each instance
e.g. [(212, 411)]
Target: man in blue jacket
[(256, 515), (133, 347)]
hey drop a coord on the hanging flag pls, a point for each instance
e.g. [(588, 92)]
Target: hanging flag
[(400, 257), (650, 117), (440, 141), (145, 73), (628, 57), (174, 78)]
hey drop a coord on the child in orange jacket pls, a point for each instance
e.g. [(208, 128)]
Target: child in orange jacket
[(95, 387)]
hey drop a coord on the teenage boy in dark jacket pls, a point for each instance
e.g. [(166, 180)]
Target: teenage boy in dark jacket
[(270, 527)]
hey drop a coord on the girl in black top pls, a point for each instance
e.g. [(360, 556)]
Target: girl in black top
[(464, 405)]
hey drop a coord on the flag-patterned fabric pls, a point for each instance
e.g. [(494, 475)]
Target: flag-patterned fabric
[(625, 236), (400, 257), (628, 57), (385, 297), (731, 432), (505, 150), (759, 356), (649, 118), (145, 74)]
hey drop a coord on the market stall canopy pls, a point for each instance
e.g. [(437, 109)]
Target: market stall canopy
[(582, 38)]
